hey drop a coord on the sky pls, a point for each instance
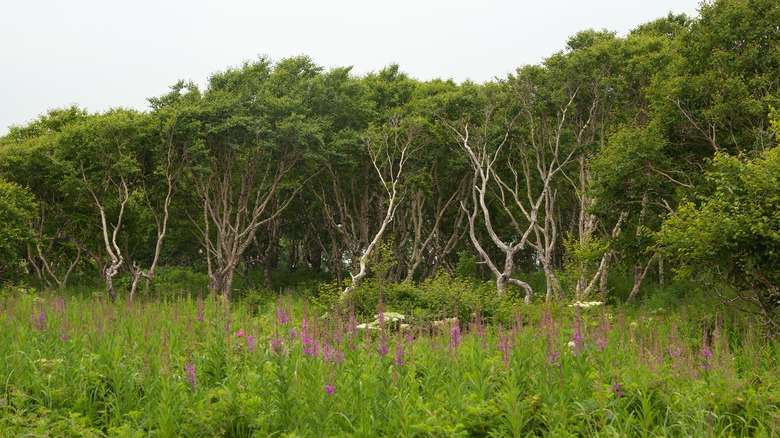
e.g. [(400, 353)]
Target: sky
[(101, 54)]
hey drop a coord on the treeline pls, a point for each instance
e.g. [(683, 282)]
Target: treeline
[(641, 154)]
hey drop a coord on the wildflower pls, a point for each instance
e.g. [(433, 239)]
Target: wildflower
[(308, 343), (601, 344), (330, 354), (239, 333), (586, 304), (40, 320), (189, 371), (707, 356), (382, 349), (276, 345), (674, 352), (576, 343), (330, 389), (399, 355), (552, 358), (252, 344), (281, 314), (455, 336), (616, 390), (505, 346)]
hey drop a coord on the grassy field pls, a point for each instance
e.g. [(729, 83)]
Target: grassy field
[(192, 366)]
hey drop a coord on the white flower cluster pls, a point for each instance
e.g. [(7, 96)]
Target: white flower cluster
[(586, 304), (391, 317)]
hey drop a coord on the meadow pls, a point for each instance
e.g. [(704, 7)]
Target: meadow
[(192, 365)]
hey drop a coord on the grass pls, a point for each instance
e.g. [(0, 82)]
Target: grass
[(189, 366)]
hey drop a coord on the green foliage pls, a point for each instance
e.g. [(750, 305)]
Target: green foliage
[(195, 367), (17, 209), (175, 278), (644, 114), (731, 236), (717, 95)]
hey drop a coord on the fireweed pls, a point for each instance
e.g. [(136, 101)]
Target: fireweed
[(454, 336), (400, 353), (472, 395), (189, 371)]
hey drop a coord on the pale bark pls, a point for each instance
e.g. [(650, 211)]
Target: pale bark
[(540, 158), (235, 205), (582, 292), (44, 269), (348, 206), (173, 170), (389, 157), (483, 161), (426, 236), (110, 231)]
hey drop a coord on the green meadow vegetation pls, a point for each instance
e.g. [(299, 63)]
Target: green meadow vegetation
[(589, 246), (188, 365)]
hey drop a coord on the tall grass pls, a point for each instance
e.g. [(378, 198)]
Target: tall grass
[(194, 366)]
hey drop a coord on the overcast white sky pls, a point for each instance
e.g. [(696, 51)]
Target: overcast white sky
[(107, 53)]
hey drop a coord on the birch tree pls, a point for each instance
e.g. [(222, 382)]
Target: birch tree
[(389, 147)]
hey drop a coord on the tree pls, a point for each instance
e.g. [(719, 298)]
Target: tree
[(730, 236), (635, 178), (517, 171), (63, 223), (255, 132), (717, 93), (389, 147), (17, 209), (171, 136), (101, 156)]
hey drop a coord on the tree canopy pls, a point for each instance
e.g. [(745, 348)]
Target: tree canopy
[(617, 156)]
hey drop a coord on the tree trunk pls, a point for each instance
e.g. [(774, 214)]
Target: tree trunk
[(111, 272), (639, 276), (553, 285)]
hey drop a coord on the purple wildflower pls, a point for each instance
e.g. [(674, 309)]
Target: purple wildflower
[(576, 341), (552, 358), (674, 352), (399, 354), (601, 344), (330, 354), (308, 343), (277, 346), (281, 314), (251, 343), (505, 345), (455, 336), (382, 349), (40, 321), (707, 356), (616, 390), (330, 389), (189, 371)]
